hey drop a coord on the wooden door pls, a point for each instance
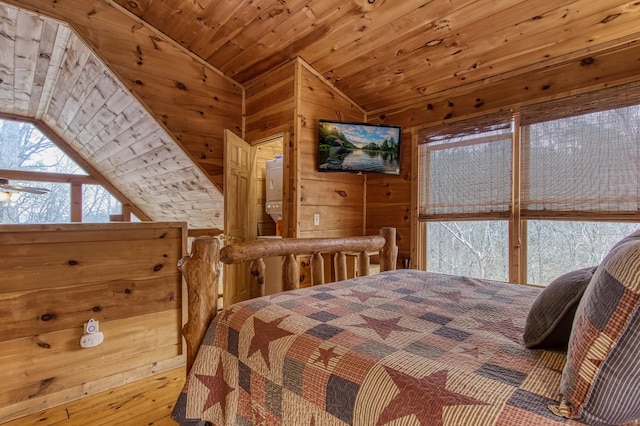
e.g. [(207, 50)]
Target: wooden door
[(239, 211)]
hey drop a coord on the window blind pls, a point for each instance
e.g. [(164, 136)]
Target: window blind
[(465, 168), (582, 163)]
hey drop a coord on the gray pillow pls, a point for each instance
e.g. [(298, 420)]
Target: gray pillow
[(551, 316)]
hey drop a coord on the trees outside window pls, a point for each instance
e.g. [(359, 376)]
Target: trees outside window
[(530, 196), (24, 148)]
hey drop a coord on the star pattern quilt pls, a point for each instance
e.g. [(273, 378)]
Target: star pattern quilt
[(400, 347)]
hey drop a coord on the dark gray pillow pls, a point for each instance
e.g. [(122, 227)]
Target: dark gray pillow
[(551, 316)]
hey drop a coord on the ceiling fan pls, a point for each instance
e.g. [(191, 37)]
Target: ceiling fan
[(9, 191)]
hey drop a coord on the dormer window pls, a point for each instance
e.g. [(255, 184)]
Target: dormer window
[(29, 159)]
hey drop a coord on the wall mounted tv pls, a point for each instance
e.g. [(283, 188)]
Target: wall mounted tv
[(358, 147)]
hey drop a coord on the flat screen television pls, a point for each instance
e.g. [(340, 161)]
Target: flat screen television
[(359, 147)]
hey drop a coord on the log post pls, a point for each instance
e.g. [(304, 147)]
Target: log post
[(317, 269), (363, 264), (340, 262), (290, 274), (256, 287), (389, 252), (201, 271)]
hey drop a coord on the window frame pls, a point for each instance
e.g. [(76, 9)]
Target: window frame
[(76, 181), (517, 222)]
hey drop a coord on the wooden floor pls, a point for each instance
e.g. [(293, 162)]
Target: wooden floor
[(145, 402)]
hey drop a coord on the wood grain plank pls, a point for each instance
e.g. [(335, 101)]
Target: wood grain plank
[(27, 44), (42, 311), (39, 403), (112, 402), (71, 233), (527, 44), (8, 21), (125, 339), (84, 262)]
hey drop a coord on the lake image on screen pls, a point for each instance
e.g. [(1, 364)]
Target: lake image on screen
[(359, 148)]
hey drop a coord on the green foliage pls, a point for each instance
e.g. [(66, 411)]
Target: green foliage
[(330, 135), (372, 147)]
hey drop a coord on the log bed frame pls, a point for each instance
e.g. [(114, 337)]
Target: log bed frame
[(201, 269)]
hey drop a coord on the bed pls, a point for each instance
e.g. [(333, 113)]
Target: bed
[(398, 347)]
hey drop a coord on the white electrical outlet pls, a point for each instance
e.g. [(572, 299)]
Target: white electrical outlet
[(93, 336), (316, 219)]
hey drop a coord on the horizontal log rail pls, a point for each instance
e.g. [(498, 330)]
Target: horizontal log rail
[(201, 269), (288, 248)]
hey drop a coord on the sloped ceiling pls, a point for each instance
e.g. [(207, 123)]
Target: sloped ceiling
[(49, 74), (386, 53)]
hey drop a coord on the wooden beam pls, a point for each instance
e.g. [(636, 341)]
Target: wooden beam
[(242, 252), (47, 177), (211, 232), (201, 271), (76, 202)]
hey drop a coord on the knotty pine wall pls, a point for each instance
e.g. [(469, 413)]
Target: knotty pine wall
[(55, 278), (337, 197), (389, 198), (269, 109), (292, 99)]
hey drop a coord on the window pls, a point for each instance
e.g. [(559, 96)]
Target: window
[(550, 196), (555, 247), (30, 159), (471, 248)]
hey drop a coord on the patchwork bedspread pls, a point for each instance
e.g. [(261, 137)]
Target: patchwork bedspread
[(400, 347)]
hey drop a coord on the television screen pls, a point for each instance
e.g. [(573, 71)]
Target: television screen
[(359, 147)]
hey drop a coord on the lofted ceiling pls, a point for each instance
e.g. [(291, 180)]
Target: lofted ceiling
[(186, 65), (384, 53), (49, 75)]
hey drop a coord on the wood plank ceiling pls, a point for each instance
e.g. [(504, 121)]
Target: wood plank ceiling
[(49, 74), (188, 61), (384, 53)]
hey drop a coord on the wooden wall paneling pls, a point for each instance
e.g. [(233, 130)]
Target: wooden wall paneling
[(59, 276), (344, 217), (188, 98), (158, 161), (123, 343), (42, 234), (77, 94), (347, 219), (42, 311), (293, 161), (137, 138), (83, 261), (270, 110), (140, 137), (341, 193), (389, 199), (270, 103), (46, 393)]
